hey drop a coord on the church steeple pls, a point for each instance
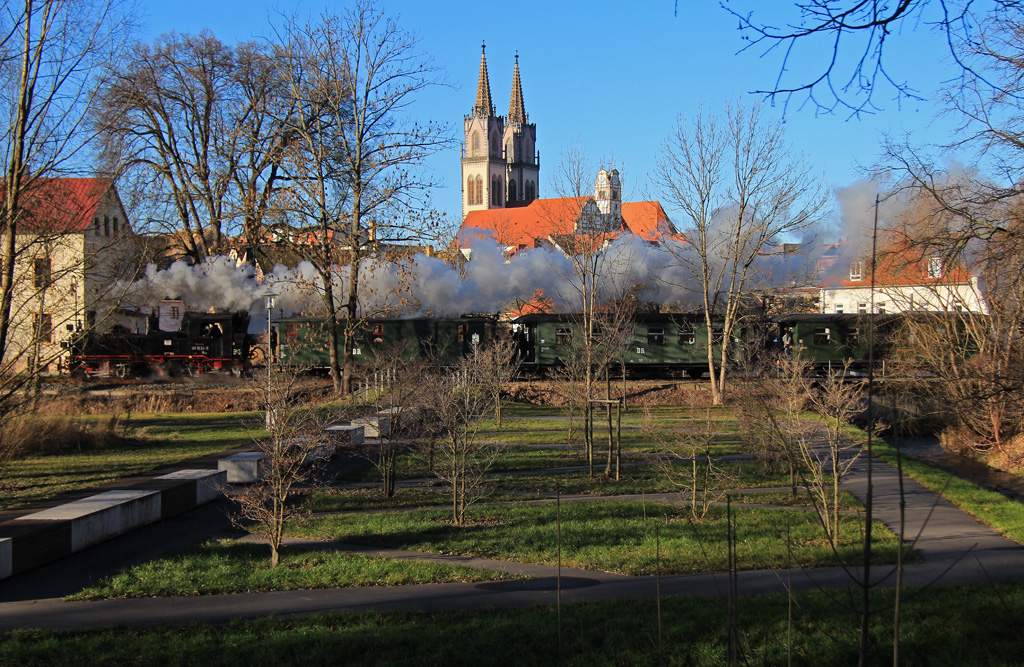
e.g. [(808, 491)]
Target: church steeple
[(516, 108), (483, 106)]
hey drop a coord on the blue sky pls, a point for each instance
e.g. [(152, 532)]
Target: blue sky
[(612, 77)]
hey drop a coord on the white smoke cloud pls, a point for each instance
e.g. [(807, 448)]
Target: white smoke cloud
[(430, 286)]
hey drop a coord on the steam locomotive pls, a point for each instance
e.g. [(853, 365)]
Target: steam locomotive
[(204, 343)]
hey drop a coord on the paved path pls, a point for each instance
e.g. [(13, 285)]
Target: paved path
[(954, 547)]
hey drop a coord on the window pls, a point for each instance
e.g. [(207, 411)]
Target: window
[(856, 270), (115, 226), (530, 191), (881, 308), (470, 191), (687, 337), (935, 267), (717, 335), (479, 189), (495, 191), (862, 308), (462, 328), (291, 333), (42, 276), (106, 226), (512, 190), (96, 225), (42, 327), (822, 335), (175, 312), (563, 336), (839, 307), (377, 333), (476, 143), (655, 335), (495, 144), (853, 337)]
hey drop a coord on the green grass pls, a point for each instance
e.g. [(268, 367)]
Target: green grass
[(159, 440), (635, 479), (355, 500), (226, 566), (614, 536), (938, 624)]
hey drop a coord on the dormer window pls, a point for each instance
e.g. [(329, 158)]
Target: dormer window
[(857, 271), (934, 267)]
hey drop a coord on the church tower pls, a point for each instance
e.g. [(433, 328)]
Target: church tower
[(520, 147), (483, 162)]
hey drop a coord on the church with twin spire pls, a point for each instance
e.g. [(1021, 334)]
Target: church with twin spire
[(501, 185)]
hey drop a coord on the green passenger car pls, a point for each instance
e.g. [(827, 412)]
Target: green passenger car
[(835, 341), (305, 342), (655, 343)]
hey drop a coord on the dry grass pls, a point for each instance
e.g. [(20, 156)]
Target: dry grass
[(638, 392)]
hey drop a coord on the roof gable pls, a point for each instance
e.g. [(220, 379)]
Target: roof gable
[(61, 205)]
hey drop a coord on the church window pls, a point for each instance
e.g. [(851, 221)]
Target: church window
[(509, 154), (512, 190), (495, 144), (530, 194), (479, 199), (476, 143), (470, 191)]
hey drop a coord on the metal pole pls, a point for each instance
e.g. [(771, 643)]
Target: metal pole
[(270, 355)]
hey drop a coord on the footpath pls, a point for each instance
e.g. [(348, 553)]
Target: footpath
[(953, 548)]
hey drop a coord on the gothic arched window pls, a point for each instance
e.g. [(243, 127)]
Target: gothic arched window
[(476, 143), (479, 189), (530, 192), (470, 190), (512, 190), (495, 144)]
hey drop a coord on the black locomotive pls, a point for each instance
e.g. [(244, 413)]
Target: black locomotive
[(204, 343)]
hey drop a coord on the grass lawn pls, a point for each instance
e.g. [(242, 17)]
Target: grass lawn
[(355, 500), (940, 626), (614, 536), (637, 479), (159, 440), (226, 566)]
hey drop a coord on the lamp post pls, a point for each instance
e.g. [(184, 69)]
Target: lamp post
[(270, 354)]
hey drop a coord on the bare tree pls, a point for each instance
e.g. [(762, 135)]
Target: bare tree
[(461, 396), (353, 161), (742, 191), (292, 451), (198, 124), (847, 43), (404, 400)]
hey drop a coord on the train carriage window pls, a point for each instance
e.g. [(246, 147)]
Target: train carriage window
[(717, 335), (853, 337), (377, 333), (822, 335), (563, 336), (291, 333), (462, 329), (655, 335), (687, 337)]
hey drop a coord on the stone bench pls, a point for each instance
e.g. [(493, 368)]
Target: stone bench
[(374, 426), (105, 515), (345, 435), (244, 468)]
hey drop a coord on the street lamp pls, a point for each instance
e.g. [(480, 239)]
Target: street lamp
[(270, 353)]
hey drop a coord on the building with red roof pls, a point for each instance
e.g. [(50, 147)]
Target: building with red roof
[(905, 279), (501, 184), (73, 244)]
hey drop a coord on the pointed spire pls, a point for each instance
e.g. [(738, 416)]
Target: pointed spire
[(483, 106), (516, 108)]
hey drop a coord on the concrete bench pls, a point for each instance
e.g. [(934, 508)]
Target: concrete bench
[(375, 426), (243, 468), (100, 517), (345, 435)]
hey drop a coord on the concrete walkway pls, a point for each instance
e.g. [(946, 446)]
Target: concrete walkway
[(953, 546)]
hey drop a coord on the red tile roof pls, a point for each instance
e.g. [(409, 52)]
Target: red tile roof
[(524, 226), (900, 266), (62, 204)]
